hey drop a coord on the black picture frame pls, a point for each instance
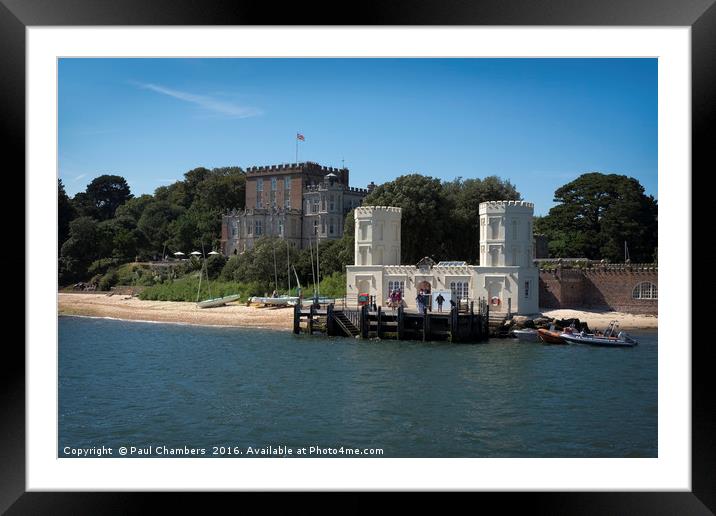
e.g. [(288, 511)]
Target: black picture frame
[(700, 15)]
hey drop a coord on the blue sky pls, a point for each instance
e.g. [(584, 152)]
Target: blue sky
[(537, 122)]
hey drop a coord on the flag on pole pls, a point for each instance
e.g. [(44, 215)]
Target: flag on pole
[(299, 136)]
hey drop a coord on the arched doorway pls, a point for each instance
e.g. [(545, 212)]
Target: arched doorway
[(424, 286)]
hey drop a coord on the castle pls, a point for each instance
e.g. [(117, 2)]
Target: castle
[(506, 277), (298, 202)]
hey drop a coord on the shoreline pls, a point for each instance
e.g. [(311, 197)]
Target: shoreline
[(600, 319), (122, 307), (125, 308)]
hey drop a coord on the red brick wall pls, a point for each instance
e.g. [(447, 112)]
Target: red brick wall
[(597, 288)]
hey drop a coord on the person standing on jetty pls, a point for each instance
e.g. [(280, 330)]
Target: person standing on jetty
[(440, 300), (419, 301)]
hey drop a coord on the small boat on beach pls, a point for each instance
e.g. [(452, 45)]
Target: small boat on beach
[(526, 335), (274, 301), (551, 336), (218, 301)]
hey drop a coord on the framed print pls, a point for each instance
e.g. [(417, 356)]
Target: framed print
[(462, 179)]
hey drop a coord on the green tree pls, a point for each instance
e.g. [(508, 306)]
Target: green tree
[(155, 224), (425, 214), (80, 249), (106, 193), (121, 239), (257, 265), (221, 190), (462, 237), (134, 207), (596, 213), (65, 213)]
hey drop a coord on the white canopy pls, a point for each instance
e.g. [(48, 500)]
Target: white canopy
[(178, 253), (213, 252), (196, 253)]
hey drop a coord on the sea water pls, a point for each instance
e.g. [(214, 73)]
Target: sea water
[(162, 390)]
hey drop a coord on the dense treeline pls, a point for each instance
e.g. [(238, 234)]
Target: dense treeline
[(440, 218), (105, 225), (596, 214), (105, 229)]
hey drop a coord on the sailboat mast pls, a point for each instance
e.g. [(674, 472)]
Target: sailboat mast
[(318, 268), (275, 271), (313, 269)]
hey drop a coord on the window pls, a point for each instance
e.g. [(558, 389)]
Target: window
[(280, 227), (249, 227), (323, 202), (331, 227), (273, 198), (315, 205), (644, 290), (396, 285), (273, 184), (363, 230), (287, 200), (332, 202), (527, 289), (258, 228), (260, 184), (459, 289), (287, 183), (315, 227), (323, 227)]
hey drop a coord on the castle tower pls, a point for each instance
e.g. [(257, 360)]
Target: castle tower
[(377, 235), (506, 233)]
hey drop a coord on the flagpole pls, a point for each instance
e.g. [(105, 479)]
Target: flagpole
[(297, 148)]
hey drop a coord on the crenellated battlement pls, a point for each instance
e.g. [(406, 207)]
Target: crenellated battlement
[(503, 205), (297, 167), (367, 211)]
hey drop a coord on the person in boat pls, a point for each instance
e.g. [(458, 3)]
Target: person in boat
[(274, 293)]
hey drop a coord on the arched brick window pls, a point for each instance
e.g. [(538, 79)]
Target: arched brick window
[(645, 290)]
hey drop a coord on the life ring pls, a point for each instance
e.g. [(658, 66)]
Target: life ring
[(495, 300)]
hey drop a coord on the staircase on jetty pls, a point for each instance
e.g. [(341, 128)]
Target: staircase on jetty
[(496, 322), (460, 324)]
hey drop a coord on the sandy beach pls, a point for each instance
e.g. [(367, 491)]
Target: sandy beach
[(600, 320), (134, 309), (237, 314)]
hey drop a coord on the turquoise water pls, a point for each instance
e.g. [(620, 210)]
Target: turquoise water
[(162, 387)]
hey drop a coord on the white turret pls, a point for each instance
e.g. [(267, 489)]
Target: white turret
[(377, 235), (506, 233)]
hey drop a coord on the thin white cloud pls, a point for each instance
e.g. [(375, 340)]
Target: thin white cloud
[(77, 178), (206, 102)]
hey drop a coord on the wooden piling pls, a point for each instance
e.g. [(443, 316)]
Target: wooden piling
[(379, 328), (297, 318), (364, 322), (309, 326), (426, 324), (330, 322), (401, 322)]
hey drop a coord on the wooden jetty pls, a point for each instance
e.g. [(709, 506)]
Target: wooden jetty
[(455, 325)]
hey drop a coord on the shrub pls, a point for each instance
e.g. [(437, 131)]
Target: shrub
[(109, 280), (101, 266)]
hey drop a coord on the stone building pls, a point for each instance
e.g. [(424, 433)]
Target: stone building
[(506, 276), (298, 202)]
